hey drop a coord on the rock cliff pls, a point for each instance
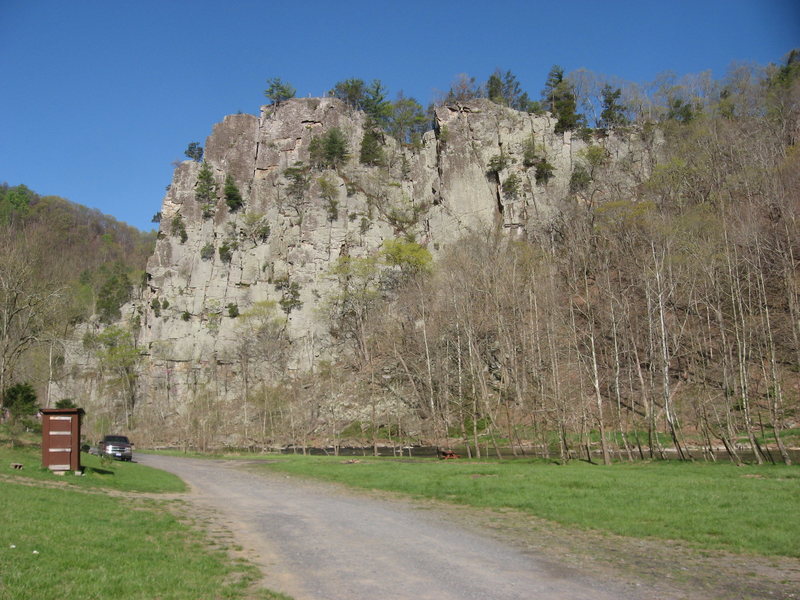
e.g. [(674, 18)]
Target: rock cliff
[(482, 165)]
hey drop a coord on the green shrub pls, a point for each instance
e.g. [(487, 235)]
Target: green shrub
[(298, 180), (579, 180), (178, 228), (281, 283), (262, 232), (544, 171), (291, 298), (585, 134), (329, 193), (499, 162), (256, 227), (511, 186), (20, 400), (225, 253), (115, 291), (207, 252), (530, 153)]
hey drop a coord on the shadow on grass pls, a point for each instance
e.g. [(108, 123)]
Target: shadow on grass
[(98, 471)]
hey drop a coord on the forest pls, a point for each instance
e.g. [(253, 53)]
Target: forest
[(665, 323), (60, 264)]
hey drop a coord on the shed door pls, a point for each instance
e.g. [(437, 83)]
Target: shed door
[(60, 442)]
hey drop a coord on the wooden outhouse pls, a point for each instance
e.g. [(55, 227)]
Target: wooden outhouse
[(61, 438)]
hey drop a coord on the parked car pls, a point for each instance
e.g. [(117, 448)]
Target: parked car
[(116, 446)]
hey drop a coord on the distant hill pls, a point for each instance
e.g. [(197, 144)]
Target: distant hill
[(78, 238), (60, 264)]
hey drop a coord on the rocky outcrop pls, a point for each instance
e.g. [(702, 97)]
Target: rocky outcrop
[(481, 165)]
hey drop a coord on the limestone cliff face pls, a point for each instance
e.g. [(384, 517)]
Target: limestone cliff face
[(286, 237)]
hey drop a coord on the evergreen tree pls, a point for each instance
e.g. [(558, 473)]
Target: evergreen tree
[(298, 176), (329, 150), (335, 148), (370, 99), (494, 89), (785, 75), (377, 107), (277, 90), (680, 110), (205, 190), (408, 121), (232, 195), (503, 88), (559, 98), (371, 152), (114, 292), (20, 400), (554, 78), (194, 151), (613, 113), (350, 91)]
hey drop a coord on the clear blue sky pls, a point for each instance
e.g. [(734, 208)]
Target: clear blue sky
[(98, 98)]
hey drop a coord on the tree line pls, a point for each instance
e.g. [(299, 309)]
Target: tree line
[(581, 100)]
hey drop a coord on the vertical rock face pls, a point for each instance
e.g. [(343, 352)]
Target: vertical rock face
[(477, 168)]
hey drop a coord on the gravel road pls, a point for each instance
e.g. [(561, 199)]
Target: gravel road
[(318, 541)]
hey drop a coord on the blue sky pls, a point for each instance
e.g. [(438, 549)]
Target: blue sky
[(98, 98)]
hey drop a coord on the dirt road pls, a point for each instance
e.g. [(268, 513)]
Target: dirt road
[(317, 541)]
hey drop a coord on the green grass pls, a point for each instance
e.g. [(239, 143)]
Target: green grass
[(714, 506), (72, 541), (790, 437), (98, 473), (62, 544)]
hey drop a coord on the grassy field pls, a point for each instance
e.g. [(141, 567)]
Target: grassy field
[(713, 506), (65, 538)]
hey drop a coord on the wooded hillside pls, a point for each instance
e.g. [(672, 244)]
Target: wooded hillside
[(60, 263)]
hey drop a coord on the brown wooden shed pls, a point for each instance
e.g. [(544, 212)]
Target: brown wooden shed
[(61, 438)]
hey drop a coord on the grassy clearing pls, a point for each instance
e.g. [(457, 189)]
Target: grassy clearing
[(713, 506), (64, 543)]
